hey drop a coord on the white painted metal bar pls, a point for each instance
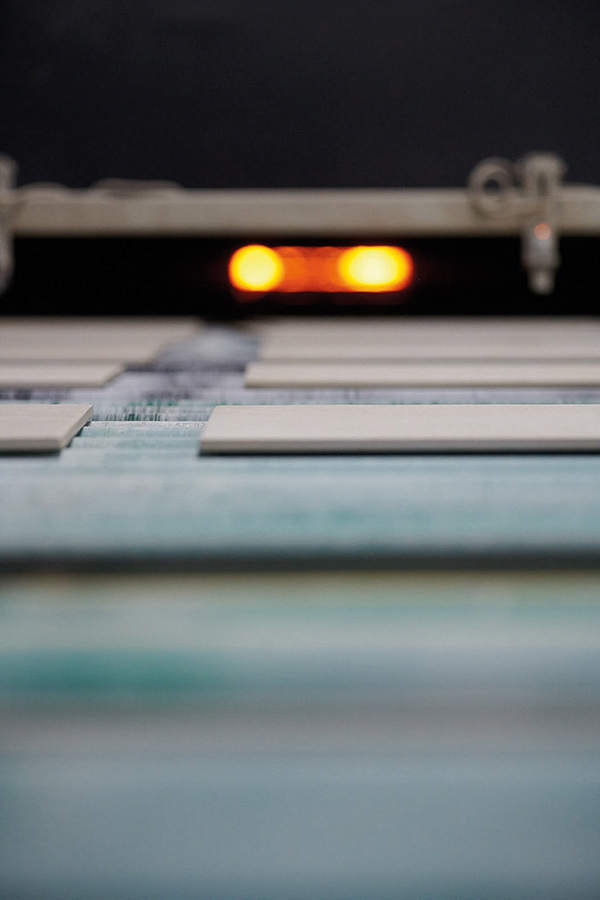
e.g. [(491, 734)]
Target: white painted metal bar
[(57, 211)]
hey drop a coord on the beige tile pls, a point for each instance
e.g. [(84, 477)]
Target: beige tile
[(424, 347), (422, 374), (75, 348), (39, 428), (38, 375), (411, 429)]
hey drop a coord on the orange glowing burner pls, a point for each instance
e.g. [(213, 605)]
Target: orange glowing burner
[(256, 268)]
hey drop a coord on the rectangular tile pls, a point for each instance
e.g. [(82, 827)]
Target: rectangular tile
[(77, 348), (38, 375), (419, 346), (89, 340), (171, 328), (318, 325), (40, 428), (422, 374), (404, 429)]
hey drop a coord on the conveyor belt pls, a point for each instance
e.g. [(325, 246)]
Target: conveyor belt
[(133, 490)]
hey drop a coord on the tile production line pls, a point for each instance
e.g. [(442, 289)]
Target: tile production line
[(148, 423), (317, 671)]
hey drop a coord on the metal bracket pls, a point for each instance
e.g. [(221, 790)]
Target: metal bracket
[(528, 190), (8, 177)]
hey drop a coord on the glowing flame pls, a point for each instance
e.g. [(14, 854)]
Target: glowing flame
[(256, 268), (375, 268)]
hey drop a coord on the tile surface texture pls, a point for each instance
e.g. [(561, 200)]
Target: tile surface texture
[(40, 428), (411, 428)]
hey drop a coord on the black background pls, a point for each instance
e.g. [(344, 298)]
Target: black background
[(292, 93), (251, 93)]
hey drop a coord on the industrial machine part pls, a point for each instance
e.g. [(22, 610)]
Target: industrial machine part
[(527, 198)]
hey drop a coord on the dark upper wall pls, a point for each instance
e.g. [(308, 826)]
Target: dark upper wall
[(249, 93)]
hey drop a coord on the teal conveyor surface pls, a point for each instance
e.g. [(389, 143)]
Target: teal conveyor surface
[(300, 735), (132, 487), (320, 678)]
